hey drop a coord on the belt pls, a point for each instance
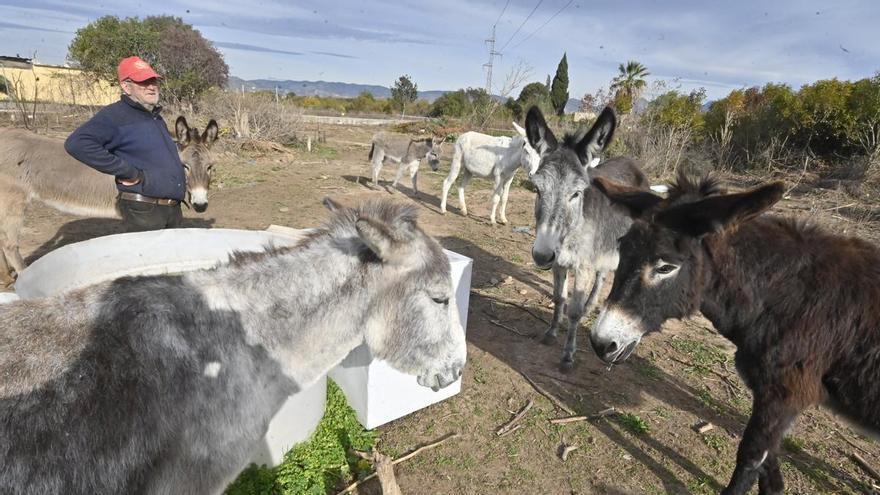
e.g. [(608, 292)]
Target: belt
[(140, 198)]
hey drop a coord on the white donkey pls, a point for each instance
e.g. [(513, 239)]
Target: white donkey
[(407, 152), (483, 156)]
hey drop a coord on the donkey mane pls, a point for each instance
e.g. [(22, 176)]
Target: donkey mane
[(343, 219), (686, 189), (571, 139)]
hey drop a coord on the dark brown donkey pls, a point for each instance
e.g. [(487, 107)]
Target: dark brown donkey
[(801, 305)]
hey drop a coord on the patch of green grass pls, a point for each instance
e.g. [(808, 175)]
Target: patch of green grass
[(702, 484), (715, 442), (633, 423), (662, 412), (705, 397), (793, 444), (702, 355), (647, 370), (318, 465)]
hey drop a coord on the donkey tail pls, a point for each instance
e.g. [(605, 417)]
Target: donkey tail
[(372, 147)]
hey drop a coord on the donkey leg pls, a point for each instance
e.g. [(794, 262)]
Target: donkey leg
[(560, 292), (454, 168), (770, 480), (12, 206), (771, 417), (401, 168), (414, 176), (465, 178), (504, 200), (376, 164), (496, 198), (579, 304)]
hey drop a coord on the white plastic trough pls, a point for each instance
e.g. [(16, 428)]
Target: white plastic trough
[(376, 392)]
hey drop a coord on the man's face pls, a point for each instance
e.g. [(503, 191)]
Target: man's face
[(145, 92)]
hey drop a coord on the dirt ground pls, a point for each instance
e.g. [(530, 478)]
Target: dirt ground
[(674, 381)]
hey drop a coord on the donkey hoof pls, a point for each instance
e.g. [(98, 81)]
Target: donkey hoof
[(566, 366), (503, 221), (548, 338)]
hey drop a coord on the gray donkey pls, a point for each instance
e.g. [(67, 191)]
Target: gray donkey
[(406, 151), (165, 384), (34, 166), (576, 226)]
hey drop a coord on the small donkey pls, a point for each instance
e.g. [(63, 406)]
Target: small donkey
[(164, 384), (576, 225), (407, 152)]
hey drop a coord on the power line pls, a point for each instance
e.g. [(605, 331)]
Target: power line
[(542, 25), (501, 14), (523, 24), (488, 65)]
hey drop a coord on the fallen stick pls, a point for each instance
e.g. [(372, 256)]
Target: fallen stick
[(520, 415), (508, 432), (570, 419), (354, 485), (552, 398), (565, 450), (509, 303), (506, 327), (865, 466), (384, 471)]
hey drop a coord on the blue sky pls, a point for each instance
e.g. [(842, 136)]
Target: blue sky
[(720, 45)]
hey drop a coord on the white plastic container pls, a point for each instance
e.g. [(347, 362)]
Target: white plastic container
[(375, 391), (6, 297)]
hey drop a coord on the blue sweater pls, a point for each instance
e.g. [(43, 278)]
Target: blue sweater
[(124, 139)]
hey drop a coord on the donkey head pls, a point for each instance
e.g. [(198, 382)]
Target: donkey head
[(433, 154), (198, 160), (660, 274), (529, 159), (412, 320), (561, 181)]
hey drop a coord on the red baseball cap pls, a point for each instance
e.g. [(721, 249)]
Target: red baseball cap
[(136, 69)]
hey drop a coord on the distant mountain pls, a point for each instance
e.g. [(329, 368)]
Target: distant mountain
[(321, 88)]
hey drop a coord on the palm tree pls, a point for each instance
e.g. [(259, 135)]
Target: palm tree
[(629, 83)]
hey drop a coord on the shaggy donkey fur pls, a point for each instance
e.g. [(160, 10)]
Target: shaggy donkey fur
[(800, 305)]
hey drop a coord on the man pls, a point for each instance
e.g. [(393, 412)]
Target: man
[(130, 141)]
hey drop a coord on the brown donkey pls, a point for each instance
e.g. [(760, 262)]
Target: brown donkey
[(34, 166), (800, 304)]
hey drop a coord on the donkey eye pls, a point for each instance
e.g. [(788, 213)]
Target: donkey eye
[(185, 166), (441, 300), (665, 269), (576, 195)]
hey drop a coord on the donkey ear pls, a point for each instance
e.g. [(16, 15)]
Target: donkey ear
[(597, 138), (181, 130), (375, 236), (331, 205), (210, 134), (519, 130), (716, 213), (540, 136), (636, 201)]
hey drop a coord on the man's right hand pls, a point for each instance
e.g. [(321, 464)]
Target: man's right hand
[(132, 182)]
